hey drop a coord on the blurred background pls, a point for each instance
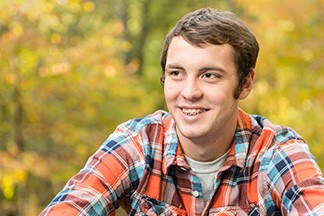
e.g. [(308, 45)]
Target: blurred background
[(72, 70)]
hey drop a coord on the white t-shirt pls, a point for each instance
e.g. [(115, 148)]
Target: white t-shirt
[(206, 171)]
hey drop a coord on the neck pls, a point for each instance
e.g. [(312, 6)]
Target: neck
[(204, 151), (212, 146)]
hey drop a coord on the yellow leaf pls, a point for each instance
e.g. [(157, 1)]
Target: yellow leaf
[(88, 6), (7, 187), (20, 176)]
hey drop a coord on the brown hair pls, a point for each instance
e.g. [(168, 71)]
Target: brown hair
[(210, 26)]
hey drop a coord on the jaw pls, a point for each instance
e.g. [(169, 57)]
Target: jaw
[(206, 135)]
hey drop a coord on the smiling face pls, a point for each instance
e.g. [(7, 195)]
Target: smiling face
[(199, 86)]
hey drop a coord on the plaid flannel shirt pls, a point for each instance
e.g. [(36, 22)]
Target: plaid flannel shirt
[(141, 168)]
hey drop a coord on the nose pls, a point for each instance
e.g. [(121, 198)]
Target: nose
[(191, 90)]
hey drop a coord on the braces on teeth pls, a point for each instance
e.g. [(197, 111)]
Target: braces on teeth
[(193, 112)]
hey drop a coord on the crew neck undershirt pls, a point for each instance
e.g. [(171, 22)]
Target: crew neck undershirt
[(206, 171)]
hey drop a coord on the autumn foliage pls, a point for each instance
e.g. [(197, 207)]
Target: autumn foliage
[(71, 71)]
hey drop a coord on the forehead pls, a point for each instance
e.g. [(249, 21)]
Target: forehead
[(182, 52)]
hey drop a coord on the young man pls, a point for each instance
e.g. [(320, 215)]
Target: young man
[(207, 156)]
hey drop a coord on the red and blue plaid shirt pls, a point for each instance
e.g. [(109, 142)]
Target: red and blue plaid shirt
[(141, 168)]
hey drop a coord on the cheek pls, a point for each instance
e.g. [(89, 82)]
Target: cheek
[(218, 99), (219, 95), (170, 91)]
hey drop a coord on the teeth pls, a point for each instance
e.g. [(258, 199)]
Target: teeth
[(192, 112)]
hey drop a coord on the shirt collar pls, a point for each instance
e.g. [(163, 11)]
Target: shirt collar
[(239, 149), (173, 155), (172, 152)]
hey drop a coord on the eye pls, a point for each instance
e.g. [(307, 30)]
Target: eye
[(208, 75), (211, 75), (174, 73)]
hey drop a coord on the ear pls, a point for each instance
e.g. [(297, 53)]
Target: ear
[(248, 85)]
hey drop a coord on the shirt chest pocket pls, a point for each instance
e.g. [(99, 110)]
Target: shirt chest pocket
[(151, 206)]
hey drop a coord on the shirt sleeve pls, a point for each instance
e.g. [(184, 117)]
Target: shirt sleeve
[(295, 180), (104, 184)]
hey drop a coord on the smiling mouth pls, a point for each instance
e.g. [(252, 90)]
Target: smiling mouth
[(193, 112)]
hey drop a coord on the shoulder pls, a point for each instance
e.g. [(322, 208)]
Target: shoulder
[(128, 143), (283, 148), (287, 167), (277, 144), (274, 134), (262, 135), (138, 130)]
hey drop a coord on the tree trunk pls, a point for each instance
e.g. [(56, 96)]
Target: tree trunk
[(143, 36), (127, 57), (16, 105), (17, 121)]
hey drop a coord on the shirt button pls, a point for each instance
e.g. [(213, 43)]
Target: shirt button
[(184, 168), (195, 193)]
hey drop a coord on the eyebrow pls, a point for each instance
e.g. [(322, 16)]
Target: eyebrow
[(212, 68), (173, 66), (204, 68)]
